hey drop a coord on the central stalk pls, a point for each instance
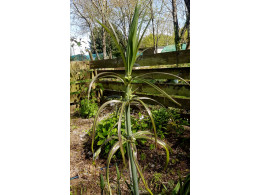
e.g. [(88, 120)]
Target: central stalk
[(133, 172)]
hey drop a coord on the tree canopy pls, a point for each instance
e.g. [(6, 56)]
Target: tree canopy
[(169, 22)]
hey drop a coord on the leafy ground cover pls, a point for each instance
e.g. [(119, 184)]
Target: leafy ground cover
[(87, 176)]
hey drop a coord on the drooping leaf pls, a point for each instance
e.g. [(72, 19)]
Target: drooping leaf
[(96, 118), (111, 129), (163, 73), (141, 53), (147, 98), (158, 89), (96, 154), (112, 151), (160, 142), (134, 149), (119, 131), (102, 75), (151, 117), (140, 133)]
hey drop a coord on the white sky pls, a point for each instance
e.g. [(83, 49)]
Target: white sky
[(84, 44)]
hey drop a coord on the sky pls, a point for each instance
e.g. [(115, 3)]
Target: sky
[(75, 32), (84, 44)]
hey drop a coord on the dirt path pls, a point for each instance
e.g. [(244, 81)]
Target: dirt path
[(82, 169), (80, 166)]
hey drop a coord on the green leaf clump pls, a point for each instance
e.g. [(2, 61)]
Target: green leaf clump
[(88, 108)]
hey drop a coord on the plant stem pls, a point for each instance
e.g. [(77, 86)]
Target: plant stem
[(129, 149)]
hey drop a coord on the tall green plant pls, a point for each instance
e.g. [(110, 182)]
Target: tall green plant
[(129, 57)]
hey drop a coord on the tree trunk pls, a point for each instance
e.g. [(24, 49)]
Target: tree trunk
[(157, 39), (188, 42), (103, 30), (175, 24), (187, 3), (110, 53), (90, 54), (104, 42), (152, 17), (185, 28), (94, 44)]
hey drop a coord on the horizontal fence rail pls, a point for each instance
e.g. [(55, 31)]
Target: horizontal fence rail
[(183, 72), (184, 101), (180, 57), (170, 88), (170, 62)]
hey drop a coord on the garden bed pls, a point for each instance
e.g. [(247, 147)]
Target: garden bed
[(86, 176)]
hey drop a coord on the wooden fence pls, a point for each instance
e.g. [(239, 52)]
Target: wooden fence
[(172, 62)]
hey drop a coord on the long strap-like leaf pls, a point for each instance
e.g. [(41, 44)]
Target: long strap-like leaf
[(158, 89), (160, 142), (112, 151), (114, 37), (165, 73), (96, 154), (102, 75), (139, 133), (119, 131), (132, 49), (96, 118), (147, 98), (151, 117), (134, 149)]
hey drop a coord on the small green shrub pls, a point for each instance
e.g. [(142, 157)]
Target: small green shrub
[(105, 129), (108, 127), (178, 122), (161, 118), (88, 108)]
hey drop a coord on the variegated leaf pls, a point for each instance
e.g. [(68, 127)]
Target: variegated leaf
[(112, 151), (160, 142), (96, 118), (151, 117)]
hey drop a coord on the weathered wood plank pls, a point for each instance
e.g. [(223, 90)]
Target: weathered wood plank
[(183, 72), (185, 102), (171, 89), (79, 65), (180, 92), (176, 57)]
